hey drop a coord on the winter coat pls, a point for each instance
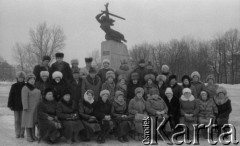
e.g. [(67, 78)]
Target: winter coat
[(15, 96), (162, 90), (92, 84), (58, 89), (42, 86), (177, 90), (153, 105), (102, 73), (131, 90), (224, 109), (141, 71), (75, 89), (199, 87), (123, 70), (136, 106), (189, 106), (30, 101), (211, 89), (37, 70), (118, 110), (64, 68), (110, 88), (147, 88), (207, 108), (86, 110), (122, 88), (193, 89), (102, 108)]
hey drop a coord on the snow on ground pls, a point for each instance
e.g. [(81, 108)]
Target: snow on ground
[(7, 136)]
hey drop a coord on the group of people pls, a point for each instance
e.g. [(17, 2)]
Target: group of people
[(76, 103)]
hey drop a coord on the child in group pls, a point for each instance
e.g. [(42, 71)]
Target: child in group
[(31, 97), (110, 84), (122, 84), (207, 110), (224, 108), (15, 102), (149, 79), (137, 108)]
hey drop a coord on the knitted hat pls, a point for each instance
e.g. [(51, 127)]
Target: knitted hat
[(134, 76), (141, 61), (186, 77), (187, 90), (21, 74), (29, 76), (57, 74), (46, 58), (74, 61), (44, 74), (59, 55), (104, 92), (90, 59), (106, 61), (211, 77), (139, 90), (195, 73), (168, 91), (172, 77), (162, 78), (221, 90), (154, 91), (165, 68), (92, 70), (149, 76), (110, 74), (118, 93), (122, 76)]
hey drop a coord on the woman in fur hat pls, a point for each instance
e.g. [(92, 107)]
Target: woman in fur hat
[(31, 97), (110, 84), (137, 108), (15, 102), (149, 79), (122, 85), (75, 63), (161, 84), (224, 107), (189, 110), (197, 83), (102, 112), (207, 110), (132, 85), (67, 113), (44, 82), (86, 112), (102, 72), (48, 123), (58, 85), (186, 83), (211, 86), (121, 117)]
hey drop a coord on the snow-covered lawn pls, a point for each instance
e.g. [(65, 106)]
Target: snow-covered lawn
[(7, 137)]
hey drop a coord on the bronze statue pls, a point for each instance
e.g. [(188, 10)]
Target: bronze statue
[(106, 23)]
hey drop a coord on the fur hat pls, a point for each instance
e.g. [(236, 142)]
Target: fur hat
[(92, 70), (134, 76), (118, 93), (154, 91), (46, 58), (29, 76), (44, 74), (162, 78), (104, 92), (57, 74), (106, 61), (66, 91), (186, 77), (59, 55), (139, 89), (187, 90), (48, 90), (90, 59), (122, 76), (211, 77), (149, 76), (110, 74), (172, 77), (165, 68), (141, 61), (168, 90), (21, 74), (221, 90), (74, 61), (195, 73)]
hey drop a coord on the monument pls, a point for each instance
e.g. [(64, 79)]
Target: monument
[(113, 48)]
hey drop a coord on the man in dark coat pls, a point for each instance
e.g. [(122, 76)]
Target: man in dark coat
[(102, 72), (177, 89), (63, 67), (150, 70), (141, 70), (132, 85), (44, 66)]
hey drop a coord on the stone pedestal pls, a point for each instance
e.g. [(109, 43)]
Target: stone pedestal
[(115, 52)]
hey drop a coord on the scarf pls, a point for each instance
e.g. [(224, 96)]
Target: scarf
[(87, 100), (30, 86)]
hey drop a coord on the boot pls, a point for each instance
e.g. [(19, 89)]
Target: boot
[(33, 134), (29, 135)]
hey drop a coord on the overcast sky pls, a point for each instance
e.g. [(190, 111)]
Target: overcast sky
[(146, 21)]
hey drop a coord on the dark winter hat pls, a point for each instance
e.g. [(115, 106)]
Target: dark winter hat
[(21, 74), (66, 91), (46, 58), (90, 59), (92, 70), (48, 90), (141, 61), (172, 77), (186, 77), (59, 55)]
